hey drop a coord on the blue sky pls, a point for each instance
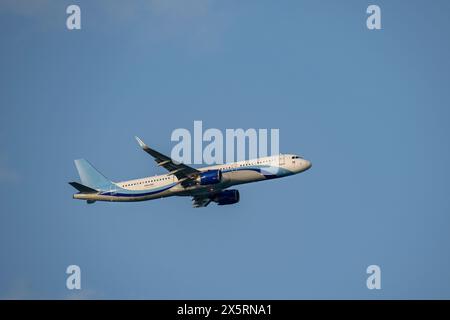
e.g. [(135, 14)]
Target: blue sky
[(370, 109)]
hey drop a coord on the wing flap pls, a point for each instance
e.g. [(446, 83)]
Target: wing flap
[(201, 201)]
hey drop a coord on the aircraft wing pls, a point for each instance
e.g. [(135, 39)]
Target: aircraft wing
[(184, 173), (200, 201)]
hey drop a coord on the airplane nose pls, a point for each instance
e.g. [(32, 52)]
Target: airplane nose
[(308, 164)]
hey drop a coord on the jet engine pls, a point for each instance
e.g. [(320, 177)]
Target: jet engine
[(227, 197), (210, 177)]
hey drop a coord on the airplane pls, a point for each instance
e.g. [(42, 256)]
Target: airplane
[(204, 185)]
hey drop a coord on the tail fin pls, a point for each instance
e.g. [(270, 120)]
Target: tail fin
[(91, 177)]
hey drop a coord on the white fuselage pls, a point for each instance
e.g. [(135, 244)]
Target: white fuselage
[(232, 174)]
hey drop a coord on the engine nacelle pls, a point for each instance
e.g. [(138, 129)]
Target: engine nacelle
[(227, 197), (210, 177)]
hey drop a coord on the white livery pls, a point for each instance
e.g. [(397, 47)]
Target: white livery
[(204, 185)]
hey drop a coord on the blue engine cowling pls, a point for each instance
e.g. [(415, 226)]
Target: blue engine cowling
[(227, 197), (210, 177)]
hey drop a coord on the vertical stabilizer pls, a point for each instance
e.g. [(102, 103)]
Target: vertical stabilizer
[(91, 177)]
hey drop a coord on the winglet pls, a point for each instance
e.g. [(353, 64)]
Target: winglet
[(141, 143)]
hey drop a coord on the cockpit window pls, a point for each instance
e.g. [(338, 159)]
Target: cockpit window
[(296, 157)]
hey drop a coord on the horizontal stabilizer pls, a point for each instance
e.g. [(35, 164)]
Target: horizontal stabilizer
[(82, 188)]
